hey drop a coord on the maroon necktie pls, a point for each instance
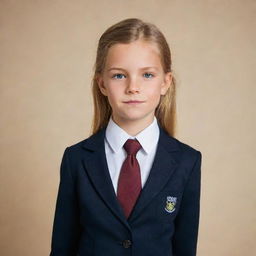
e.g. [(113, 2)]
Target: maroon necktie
[(129, 182)]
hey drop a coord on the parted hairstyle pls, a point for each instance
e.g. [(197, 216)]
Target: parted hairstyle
[(127, 31)]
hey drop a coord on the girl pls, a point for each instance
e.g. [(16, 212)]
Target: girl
[(130, 188)]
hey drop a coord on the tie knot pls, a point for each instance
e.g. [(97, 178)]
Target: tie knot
[(132, 146)]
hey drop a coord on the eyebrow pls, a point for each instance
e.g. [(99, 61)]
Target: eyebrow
[(116, 68)]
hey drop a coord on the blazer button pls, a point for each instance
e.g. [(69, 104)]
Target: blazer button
[(127, 243)]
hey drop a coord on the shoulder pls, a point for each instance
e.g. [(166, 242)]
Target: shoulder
[(174, 144), (186, 148), (190, 155), (87, 145), (186, 153)]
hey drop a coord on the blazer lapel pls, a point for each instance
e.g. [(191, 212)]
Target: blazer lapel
[(97, 169), (165, 162)]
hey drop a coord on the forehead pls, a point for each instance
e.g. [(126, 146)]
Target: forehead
[(137, 53)]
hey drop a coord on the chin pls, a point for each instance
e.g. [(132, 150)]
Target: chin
[(138, 117)]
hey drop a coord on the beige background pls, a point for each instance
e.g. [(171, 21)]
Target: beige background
[(47, 52)]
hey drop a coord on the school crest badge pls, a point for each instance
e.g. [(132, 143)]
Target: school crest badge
[(170, 203)]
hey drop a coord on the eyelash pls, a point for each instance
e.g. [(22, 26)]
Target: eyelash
[(152, 75)]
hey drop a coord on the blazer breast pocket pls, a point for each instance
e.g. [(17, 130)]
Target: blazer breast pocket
[(168, 202)]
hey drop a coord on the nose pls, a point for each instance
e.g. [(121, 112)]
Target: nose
[(132, 86)]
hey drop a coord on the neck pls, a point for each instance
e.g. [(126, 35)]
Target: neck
[(133, 127)]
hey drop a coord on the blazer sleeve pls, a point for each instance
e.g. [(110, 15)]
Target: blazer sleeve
[(187, 220), (66, 229)]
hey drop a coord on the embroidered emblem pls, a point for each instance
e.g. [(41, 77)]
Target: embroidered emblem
[(170, 204)]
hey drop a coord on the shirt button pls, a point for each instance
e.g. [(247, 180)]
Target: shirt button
[(127, 243)]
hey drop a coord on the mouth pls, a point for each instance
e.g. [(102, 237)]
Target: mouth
[(133, 102)]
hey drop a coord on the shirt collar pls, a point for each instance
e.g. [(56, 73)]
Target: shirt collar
[(116, 136)]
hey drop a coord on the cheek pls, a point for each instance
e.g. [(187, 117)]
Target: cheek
[(154, 93), (114, 94)]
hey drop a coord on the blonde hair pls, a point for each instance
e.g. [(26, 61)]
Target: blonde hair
[(127, 31)]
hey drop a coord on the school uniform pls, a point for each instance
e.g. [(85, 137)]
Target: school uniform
[(89, 221)]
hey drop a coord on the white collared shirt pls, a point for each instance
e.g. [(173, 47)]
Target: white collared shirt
[(116, 154)]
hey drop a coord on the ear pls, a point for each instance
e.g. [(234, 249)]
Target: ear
[(167, 83), (101, 85)]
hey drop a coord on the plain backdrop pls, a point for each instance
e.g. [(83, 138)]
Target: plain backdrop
[(47, 52)]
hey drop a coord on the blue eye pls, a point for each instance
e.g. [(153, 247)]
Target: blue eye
[(117, 76), (149, 74)]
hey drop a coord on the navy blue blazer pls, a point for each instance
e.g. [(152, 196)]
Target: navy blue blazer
[(89, 221)]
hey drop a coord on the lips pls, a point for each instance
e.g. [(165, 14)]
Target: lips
[(133, 101)]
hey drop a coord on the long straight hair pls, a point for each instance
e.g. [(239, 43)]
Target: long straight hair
[(127, 31)]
